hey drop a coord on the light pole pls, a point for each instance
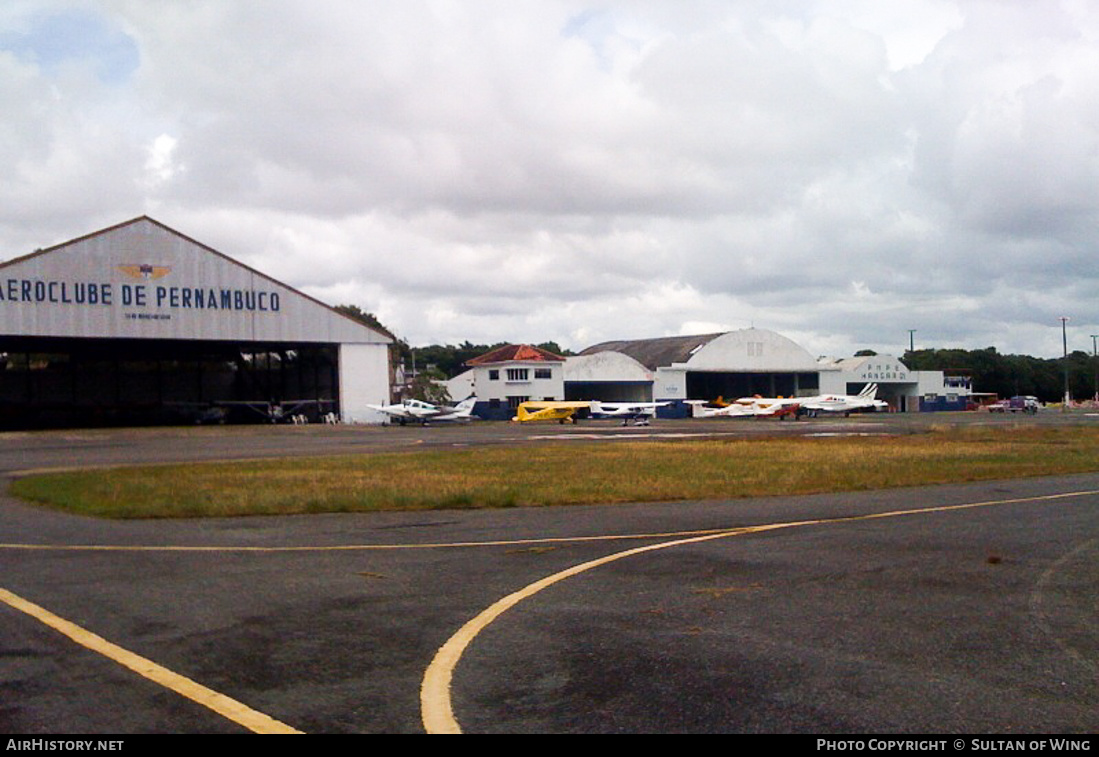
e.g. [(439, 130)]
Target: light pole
[(911, 340), (1064, 341)]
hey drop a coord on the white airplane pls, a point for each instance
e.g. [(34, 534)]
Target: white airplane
[(418, 411), (779, 407), (844, 403), (639, 412), (738, 409)]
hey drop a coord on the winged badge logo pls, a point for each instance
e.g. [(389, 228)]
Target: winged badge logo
[(145, 271)]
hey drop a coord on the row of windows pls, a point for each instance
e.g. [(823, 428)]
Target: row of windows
[(513, 402), (521, 374)]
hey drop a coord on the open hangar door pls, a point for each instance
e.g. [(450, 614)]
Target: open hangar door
[(901, 397), (609, 391), (57, 382), (707, 385)]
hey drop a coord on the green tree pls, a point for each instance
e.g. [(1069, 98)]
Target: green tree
[(399, 351), (426, 385)]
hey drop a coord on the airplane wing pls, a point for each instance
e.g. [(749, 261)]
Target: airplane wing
[(625, 408), (548, 411), (699, 409), (777, 406), (396, 411), (638, 412)]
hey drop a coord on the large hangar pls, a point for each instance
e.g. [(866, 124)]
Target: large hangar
[(730, 364), (139, 324)]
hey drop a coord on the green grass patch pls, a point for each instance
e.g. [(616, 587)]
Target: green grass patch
[(566, 473)]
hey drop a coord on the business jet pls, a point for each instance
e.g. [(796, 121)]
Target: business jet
[(418, 411), (638, 412)]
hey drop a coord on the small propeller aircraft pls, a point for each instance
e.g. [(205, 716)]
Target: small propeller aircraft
[(780, 407), (549, 410), (746, 407), (639, 412), (844, 403), (418, 411)]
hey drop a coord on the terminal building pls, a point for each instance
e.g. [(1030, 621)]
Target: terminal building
[(139, 324)]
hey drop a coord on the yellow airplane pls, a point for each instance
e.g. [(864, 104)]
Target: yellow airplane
[(561, 412)]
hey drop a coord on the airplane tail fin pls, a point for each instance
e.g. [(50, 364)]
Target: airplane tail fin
[(465, 407), (869, 391)]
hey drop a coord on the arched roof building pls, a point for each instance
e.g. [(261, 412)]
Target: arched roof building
[(728, 364)]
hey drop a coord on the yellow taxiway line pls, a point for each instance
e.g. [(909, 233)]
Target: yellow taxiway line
[(436, 708), (219, 703)]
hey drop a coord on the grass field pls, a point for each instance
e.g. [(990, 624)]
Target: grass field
[(555, 474)]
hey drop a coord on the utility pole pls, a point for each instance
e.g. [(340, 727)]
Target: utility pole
[(911, 340), (1064, 340), (1094, 355)]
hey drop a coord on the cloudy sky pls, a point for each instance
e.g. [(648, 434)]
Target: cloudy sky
[(840, 171)]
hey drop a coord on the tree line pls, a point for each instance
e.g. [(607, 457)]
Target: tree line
[(437, 361), (1013, 375)]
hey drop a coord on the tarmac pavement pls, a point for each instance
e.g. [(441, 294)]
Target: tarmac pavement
[(965, 609)]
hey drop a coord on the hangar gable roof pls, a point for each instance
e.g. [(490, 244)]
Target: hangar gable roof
[(144, 280)]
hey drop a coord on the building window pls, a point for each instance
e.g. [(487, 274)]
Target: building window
[(518, 374), (543, 373), (514, 402), (494, 375)]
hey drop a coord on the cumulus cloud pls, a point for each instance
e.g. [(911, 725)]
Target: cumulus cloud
[(841, 172)]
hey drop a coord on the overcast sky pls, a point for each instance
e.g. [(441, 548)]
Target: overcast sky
[(839, 171)]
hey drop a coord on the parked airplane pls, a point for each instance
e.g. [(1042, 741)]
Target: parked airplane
[(273, 411), (779, 407), (562, 412), (638, 412), (746, 407), (418, 411), (844, 403)]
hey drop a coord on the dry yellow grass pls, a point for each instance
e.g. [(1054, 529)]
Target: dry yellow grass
[(566, 474)]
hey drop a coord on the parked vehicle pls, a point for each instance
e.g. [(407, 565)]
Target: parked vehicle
[(1019, 404)]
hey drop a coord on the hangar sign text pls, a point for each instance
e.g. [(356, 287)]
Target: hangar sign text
[(137, 296)]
